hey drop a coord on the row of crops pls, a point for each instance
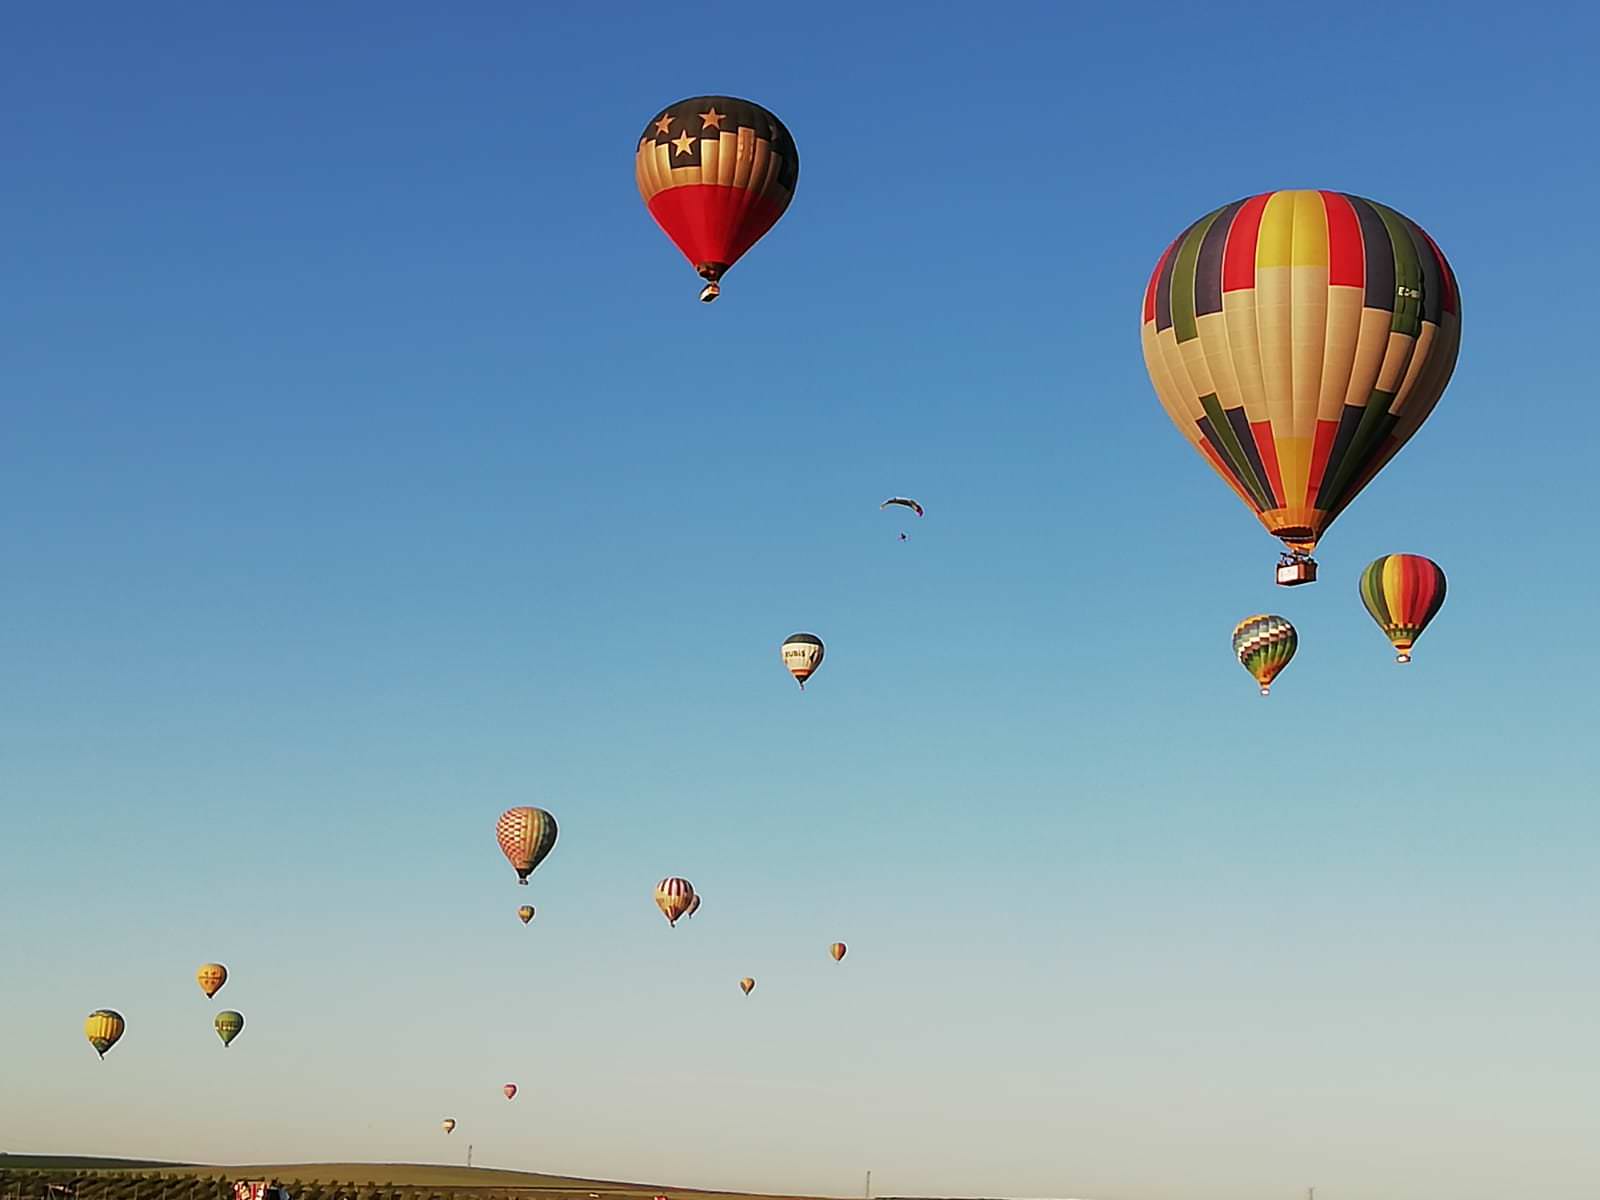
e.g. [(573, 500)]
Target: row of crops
[(106, 1185)]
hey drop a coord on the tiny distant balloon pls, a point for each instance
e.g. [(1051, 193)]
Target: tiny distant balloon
[(1403, 592), (526, 836), (229, 1025), (747, 984), (837, 950), (448, 1125), (526, 913), (694, 906), (104, 1027), (802, 655), (1264, 643), (510, 1090), (673, 897), (211, 977)]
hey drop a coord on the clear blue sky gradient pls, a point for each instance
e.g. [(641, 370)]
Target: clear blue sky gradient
[(368, 466)]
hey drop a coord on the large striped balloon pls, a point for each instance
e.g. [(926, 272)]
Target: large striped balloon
[(526, 835), (1403, 592), (1297, 339), (1264, 644)]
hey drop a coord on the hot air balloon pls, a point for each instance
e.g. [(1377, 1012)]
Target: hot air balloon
[(1298, 339), (448, 1124), (673, 898), (837, 950), (802, 654), (510, 1090), (229, 1025), (526, 913), (103, 1028), (1403, 592), (694, 906), (526, 836), (1264, 644), (747, 985), (716, 173), (211, 977)]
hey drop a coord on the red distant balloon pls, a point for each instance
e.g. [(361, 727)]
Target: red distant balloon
[(510, 1090)]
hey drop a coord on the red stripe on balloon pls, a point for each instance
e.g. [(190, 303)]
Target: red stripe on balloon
[(1239, 260), (1346, 252)]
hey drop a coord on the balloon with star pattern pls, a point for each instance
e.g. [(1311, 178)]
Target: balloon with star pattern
[(716, 173)]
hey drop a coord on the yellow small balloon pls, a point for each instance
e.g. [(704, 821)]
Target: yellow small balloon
[(211, 977), (526, 913), (748, 984), (104, 1027)]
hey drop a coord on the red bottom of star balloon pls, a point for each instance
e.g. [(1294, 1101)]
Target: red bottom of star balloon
[(713, 225)]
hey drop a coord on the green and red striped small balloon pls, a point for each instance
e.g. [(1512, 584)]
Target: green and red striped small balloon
[(1403, 592)]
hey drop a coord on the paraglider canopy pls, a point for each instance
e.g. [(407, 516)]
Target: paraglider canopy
[(904, 501)]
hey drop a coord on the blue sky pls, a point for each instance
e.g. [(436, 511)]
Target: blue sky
[(369, 467)]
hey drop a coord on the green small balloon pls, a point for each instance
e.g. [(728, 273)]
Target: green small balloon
[(229, 1025)]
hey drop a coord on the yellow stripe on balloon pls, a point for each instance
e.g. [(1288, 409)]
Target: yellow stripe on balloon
[(1275, 239), (1310, 230)]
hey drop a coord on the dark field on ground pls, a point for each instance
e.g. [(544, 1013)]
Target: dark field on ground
[(31, 1177)]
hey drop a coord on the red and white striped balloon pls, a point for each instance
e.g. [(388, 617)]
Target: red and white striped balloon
[(673, 897)]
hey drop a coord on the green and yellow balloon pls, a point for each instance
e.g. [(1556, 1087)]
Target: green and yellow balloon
[(103, 1027), (229, 1026), (1264, 643)]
